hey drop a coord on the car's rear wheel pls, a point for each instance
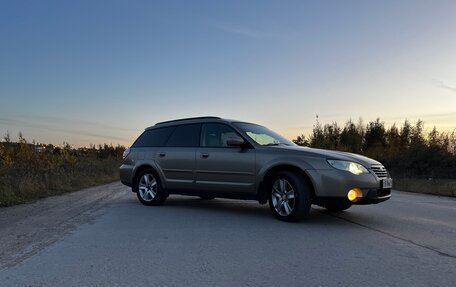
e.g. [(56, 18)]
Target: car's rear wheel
[(337, 205), (290, 197), (148, 188)]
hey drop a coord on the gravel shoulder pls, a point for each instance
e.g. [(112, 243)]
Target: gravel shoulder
[(28, 228)]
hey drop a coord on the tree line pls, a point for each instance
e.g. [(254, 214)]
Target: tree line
[(406, 150)]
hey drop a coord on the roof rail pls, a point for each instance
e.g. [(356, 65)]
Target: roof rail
[(186, 119)]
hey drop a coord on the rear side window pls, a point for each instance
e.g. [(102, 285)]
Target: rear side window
[(185, 136), (154, 137)]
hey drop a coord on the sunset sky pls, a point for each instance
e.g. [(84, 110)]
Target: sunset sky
[(101, 71)]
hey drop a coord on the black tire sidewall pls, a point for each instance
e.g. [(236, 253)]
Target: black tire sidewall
[(161, 195), (302, 196)]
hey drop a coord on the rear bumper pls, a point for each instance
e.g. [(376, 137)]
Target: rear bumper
[(126, 174)]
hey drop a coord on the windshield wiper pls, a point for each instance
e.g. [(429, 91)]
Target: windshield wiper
[(274, 144)]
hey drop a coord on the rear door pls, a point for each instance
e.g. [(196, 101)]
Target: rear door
[(223, 168), (177, 158)]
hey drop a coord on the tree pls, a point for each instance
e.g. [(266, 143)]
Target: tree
[(317, 138), (406, 131), (374, 139), (393, 141), (417, 140), (301, 140), (331, 133), (351, 137)]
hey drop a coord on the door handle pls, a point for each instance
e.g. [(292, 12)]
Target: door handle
[(161, 154), (204, 155)]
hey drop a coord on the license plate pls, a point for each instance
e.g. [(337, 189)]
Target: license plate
[(387, 183)]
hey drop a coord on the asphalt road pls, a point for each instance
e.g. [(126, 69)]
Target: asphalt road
[(113, 240)]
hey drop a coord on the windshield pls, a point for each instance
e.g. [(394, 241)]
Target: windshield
[(263, 136)]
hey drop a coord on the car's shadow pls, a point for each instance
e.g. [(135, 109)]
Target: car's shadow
[(240, 209)]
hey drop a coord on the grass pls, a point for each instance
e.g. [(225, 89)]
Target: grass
[(445, 187)]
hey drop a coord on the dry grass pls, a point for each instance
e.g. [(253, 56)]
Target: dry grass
[(27, 174), (445, 187)]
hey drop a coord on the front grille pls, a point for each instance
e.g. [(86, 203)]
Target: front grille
[(379, 170)]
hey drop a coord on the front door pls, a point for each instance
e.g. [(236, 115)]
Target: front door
[(223, 168)]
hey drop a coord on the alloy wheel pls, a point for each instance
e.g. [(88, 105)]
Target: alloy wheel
[(283, 197), (148, 187)]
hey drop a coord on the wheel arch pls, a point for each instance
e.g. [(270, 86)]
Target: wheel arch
[(263, 190), (143, 167)]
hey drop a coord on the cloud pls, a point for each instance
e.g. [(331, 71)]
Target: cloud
[(58, 129), (67, 121), (441, 84)]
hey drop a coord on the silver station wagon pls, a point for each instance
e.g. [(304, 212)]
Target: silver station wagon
[(213, 157)]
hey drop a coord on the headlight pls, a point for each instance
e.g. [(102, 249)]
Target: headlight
[(350, 166)]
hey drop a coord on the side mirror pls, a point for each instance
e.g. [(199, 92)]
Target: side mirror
[(235, 141)]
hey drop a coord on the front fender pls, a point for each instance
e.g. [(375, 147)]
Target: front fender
[(286, 163), (291, 161)]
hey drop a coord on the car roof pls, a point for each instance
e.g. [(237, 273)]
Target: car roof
[(187, 121), (194, 120)]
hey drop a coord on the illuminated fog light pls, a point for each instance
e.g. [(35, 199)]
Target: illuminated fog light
[(354, 194)]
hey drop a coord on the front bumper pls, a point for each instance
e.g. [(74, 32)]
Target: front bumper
[(374, 196), (334, 184)]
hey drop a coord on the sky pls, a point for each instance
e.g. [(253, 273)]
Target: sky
[(90, 72)]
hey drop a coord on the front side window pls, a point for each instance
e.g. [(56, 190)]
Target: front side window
[(216, 135), (185, 136), (262, 135)]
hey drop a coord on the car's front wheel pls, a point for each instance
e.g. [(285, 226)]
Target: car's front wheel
[(290, 197), (148, 188)]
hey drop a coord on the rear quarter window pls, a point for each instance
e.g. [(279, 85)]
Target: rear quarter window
[(154, 137)]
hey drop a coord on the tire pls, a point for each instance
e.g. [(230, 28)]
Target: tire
[(289, 197), (148, 188), (337, 205)]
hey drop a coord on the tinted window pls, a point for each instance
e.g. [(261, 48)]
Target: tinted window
[(185, 136), (216, 135), (153, 138)]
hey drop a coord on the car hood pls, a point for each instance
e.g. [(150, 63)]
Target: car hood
[(331, 154)]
